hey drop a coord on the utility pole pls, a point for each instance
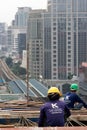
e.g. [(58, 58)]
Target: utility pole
[(27, 72)]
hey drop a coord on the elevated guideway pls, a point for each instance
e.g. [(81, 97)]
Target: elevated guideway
[(83, 80), (18, 86), (14, 88), (36, 89), (15, 84), (23, 87), (40, 88), (83, 90), (83, 86), (6, 72)]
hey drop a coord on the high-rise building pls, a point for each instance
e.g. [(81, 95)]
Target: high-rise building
[(21, 43), (64, 35), (9, 40), (35, 40), (3, 37), (17, 32), (21, 16), (24, 59)]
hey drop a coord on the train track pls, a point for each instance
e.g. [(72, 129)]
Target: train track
[(17, 83), (4, 70)]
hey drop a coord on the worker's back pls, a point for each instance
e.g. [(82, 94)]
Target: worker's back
[(53, 112), (73, 100), (70, 99)]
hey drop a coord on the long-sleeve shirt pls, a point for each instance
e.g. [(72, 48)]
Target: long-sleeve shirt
[(52, 114), (71, 98)]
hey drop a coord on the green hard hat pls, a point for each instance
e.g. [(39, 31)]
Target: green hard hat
[(74, 87)]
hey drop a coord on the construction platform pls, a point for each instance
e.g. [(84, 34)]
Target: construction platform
[(14, 109), (80, 115), (15, 114)]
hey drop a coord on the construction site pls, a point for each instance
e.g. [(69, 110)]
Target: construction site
[(20, 104)]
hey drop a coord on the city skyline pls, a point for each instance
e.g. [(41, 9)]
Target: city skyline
[(9, 8)]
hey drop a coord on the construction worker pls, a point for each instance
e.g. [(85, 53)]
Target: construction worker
[(72, 99), (52, 113)]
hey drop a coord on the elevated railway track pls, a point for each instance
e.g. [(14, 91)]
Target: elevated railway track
[(4, 70), (16, 85)]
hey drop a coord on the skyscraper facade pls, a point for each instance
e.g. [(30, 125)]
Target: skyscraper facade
[(3, 37), (64, 38), (21, 16), (68, 36), (35, 41)]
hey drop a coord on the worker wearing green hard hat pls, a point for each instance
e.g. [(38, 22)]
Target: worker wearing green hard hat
[(72, 99), (74, 87)]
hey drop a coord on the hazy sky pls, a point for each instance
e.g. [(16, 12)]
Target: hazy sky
[(8, 8)]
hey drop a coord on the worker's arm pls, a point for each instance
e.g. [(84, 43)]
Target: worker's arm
[(78, 99), (67, 111), (41, 117)]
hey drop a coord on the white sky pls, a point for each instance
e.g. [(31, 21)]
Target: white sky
[(8, 8)]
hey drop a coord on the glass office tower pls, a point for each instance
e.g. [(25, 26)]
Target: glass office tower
[(65, 37)]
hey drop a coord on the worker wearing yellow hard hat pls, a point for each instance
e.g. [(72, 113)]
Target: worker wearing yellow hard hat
[(54, 90), (52, 113)]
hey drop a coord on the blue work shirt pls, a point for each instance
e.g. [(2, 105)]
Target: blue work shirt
[(71, 98), (52, 113)]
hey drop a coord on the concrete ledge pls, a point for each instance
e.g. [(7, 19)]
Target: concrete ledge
[(46, 128)]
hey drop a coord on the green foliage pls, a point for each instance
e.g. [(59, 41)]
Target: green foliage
[(22, 71), (15, 67), (18, 70), (9, 61)]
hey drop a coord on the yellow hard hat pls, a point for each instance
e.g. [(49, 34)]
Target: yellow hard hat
[(54, 90)]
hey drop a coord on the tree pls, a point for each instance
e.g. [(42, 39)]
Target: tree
[(15, 67), (22, 71), (9, 61), (17, 70)]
